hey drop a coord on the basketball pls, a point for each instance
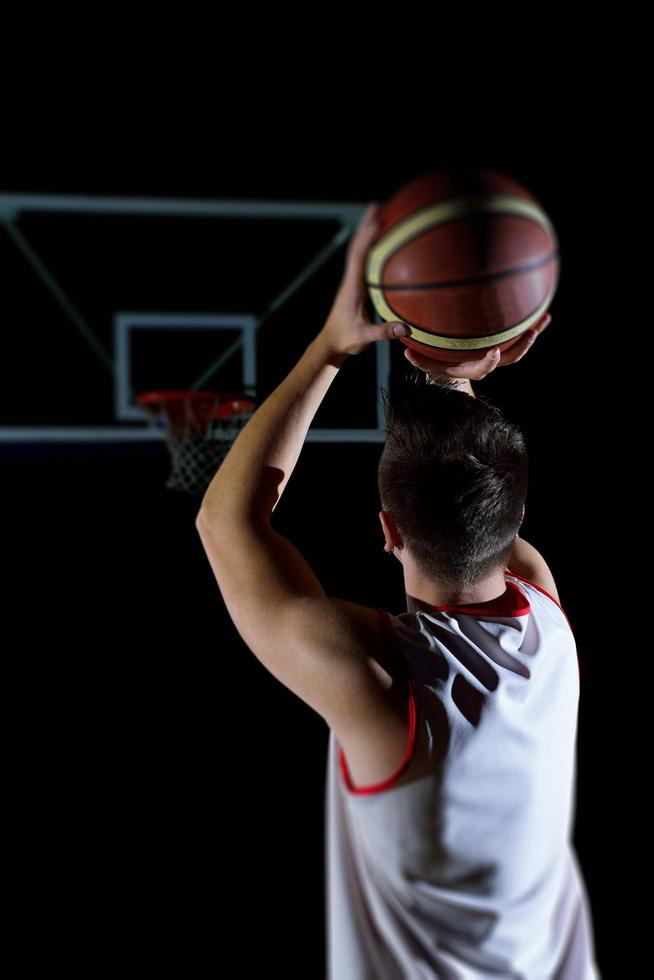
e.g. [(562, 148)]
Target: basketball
[(468, 259)]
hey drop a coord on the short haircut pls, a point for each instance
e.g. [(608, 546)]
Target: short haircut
[(453, 474)]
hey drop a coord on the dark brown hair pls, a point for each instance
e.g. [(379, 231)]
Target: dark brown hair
[(453, 474)]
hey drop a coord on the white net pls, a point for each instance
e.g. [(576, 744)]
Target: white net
[(199, 428)]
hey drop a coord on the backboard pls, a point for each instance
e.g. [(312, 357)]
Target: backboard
[(106, 297)]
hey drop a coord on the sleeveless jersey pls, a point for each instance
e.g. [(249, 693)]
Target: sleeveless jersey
[(469, 871)]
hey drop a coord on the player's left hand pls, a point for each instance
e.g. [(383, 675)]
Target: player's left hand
[(348, 328)]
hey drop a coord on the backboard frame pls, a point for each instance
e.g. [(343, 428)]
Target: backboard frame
[(348, 214)]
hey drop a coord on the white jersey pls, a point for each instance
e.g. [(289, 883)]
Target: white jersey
[(469, 871)]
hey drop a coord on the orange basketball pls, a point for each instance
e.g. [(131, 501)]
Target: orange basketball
[(467, 259)]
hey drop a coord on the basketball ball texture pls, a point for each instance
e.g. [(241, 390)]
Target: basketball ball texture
[(467, 259)]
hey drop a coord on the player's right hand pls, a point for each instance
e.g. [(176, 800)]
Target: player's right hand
[(477, 369)]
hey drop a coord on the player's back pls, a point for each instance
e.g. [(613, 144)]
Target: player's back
[(468, 871)]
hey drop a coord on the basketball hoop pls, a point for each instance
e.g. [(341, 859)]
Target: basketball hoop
[(199, 427)]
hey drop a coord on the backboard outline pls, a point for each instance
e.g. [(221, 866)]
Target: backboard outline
[(11, 207)]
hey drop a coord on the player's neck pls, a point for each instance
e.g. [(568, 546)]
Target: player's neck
[(431, 594)]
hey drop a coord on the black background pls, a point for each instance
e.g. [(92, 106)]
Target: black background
[(166, 791)]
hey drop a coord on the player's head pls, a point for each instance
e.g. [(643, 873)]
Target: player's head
[(453, 477)]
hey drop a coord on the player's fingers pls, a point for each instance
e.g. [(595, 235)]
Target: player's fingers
[(538, 327), (478, 368), (472, 370), (518, 350)]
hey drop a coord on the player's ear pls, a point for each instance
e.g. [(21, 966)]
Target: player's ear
[(386, 527)]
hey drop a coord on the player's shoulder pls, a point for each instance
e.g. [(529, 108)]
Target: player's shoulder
[(539, 585), (364, 630)]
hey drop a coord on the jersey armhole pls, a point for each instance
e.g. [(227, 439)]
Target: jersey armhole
[(412, 708)]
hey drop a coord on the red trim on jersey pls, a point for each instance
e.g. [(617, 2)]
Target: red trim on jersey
[(411, 742), (512, 602), (545, 592), (517, 575)]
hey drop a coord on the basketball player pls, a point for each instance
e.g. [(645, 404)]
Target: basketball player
[(450, 782)]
